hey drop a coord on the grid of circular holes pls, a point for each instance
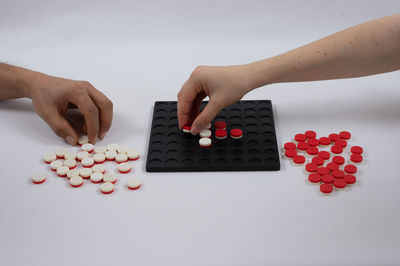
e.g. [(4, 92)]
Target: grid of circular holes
[(267, 127), (173, 133), (172, 153), (188, 153), (172, 143), (220, 143), (159, 119), (161, 112), (158, 135), (270, 160), (221, 152), (264, 109), (171, 161), (235, 119), (235, 125), (235, 111), (156, 153), (173, 126), (253, 143), (188, 144), (237, 143), (250, 118), (157, 143), (253, 152), (155, 161), (268, 134), (237, 152), (266, 118), (251, 126), (173, 111), (269, 151), (173, 119), (251, 134), (205, 152), (250, 110), (268, 142), (254, 160), (159, 126), (187, 161), (249, 103), (159, 104), (237, 161), (204, 161), (220, 117), (221, 161)]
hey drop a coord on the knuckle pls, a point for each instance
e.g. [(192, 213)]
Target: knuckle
[(197, 72), (93, 110), (108, 104)]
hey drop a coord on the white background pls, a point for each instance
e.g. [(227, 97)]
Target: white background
[(139, 52)]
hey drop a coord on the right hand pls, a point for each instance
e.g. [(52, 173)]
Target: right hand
[(224, 85)]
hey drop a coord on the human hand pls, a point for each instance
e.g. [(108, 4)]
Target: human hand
[(52, 97), (224, 85)]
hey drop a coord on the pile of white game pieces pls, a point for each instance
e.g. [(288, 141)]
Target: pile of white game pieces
[(88, 164)]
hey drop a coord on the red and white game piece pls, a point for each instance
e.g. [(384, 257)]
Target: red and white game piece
[(38, 178), (302, 146), (289, 146), (326, 188), (60, 153), (85, 172), (206, 133), (356, 158), (98, 168), (87, 147), (290, 153), (357, 150), (350, 169), (339, 183), (236, 133), (220, 134), (122, 149), (327, 179), (336, 149), (121, 158), (332, 166), (187, 129), (310, 134), (55, 164), (70, 163), (73, 172), (133, 155), (110, 155), (205, 142), (312, 151), (76, 181), (112, 147), (341, 142), (109, 177), (324, 155), (96, 177), (345, 135), (313, 142), (324, 141), (220, 125), (339, 160), (350, 179), (318, 161), (124, 168), (107, 188), (339, 174), (62, 171), (334, 137), (314, 178), (70, 156), (299, 159), (311, 168), (300, 137), (49, 157), (100, 149), (81, 155), (99, 158), (87, 162), (323, 171), (133, 183), (83, 140)]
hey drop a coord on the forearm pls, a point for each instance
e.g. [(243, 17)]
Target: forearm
[(366, 49), (16, 82)]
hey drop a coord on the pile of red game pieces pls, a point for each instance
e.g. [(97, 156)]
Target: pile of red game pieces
[(324, 159)]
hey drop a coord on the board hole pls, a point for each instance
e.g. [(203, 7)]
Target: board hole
[(187, 161), (238, 161), (159, 119), (156, 153), (155, 161), (204, 161), (172, 153), (253, 143), (270, 160), (188, 153), (158, 135), (237, 152), (254, 161), (221, 152), (221, 161), (270, 152), (205, 152), (171, 161), (253, 152)]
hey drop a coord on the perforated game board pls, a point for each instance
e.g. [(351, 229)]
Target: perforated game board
[(171, 150)]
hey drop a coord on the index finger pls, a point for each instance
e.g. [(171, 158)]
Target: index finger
[(187, 98), (90, 113)]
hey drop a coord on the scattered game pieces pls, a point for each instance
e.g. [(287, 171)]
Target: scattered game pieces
[(121, 158), (60, 153), (99, 158), (326, 188), (300, 137), (327, 179), (290, 146), (99, 168), (290, 153), (100, 149), (87, 147), (109, 177), (62, 171), (38, 178), (96, 177), (85, 172), (73, 172), (133, 183), (87, 162), (70, 163), (310, 134), (107, 188), (124, 168), (339, 183), (50, 157), (133, 155), (314, 178), (299, 159), (76, 181), (83, 140), (55, 164)]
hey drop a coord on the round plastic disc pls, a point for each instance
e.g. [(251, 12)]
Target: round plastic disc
[(351, 169), (289, 146), (336, 149), (310, 167), (356, 158), (327, 179), (290, 153), (338, 160), (323, 171), (339, 183), (324, 141), (334, 137), (350, 179), (318, 161), (345, 135), (300, 137), (332, 166), (357, 149), (326, 188), (314, 178), (338, 174), (303, 146), (299, 159), (310, 134), (324, 155)]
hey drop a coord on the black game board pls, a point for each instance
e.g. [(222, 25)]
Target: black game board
[(171, 150)]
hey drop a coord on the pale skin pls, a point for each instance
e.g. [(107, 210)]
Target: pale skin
[(366, 49), (52, 97)]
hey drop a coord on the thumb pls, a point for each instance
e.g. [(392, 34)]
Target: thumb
[(62, 128), (206, 116)]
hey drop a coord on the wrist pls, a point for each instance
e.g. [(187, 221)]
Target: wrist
[(261, 73), (28, 81)]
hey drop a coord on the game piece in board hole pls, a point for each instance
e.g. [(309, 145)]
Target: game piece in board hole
[(205, 142), (236, 133), (350, 179), (220, 125), (300, 137), (314, 178), (310, 134), (350, 169), (170, 150), (289, 146), (187, 129), (220, 134), (205, 133), (324, 141), (345, 135), (356, 149), (326, 188), (290, 153)]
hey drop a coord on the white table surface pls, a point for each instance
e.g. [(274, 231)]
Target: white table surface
[(137, 53)]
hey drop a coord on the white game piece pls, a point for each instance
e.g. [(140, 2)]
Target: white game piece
[(110, 155), (38, 178), (85, 172), (87, 162), (205, 133), (62, 171), (100, 149), (70, 163), (73, 172), (83, 140), (121, 157), (107, 188), (122, 149), (49, 157), (99, 168), (133, 155), (109, 177), (133, 183), (124, 168), (96, 177), (81, 155), (70, 155), (55, 164), (112, 147), (87, 147), (205, 142), (76, 181), (99, 158), (61, 152)]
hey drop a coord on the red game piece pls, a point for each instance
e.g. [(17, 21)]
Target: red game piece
[(345, 135), (300, 137), (350, 179), (303, 146), (334, 137), (338, 174), (339, 183), (290, 153), (289, 146), (310, 167), (220, 133), (323, 171), (324, 155), (236, 133), (313, 142), (336, 149), (326, 188), (187, 129), (314, 178), (338, 160), (312, 150), (351, 169), (318, 161), (327, 179), (356, 158), (332, 166), (299, 159), (341, 142), (310, 134), (220, 125), (324, 141), (357, 149)]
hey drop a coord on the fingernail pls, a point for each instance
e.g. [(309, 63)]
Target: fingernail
[(71, 140), (195, 129), (102, 135)]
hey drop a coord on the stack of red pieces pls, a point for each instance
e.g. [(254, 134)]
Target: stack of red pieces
[(324, 159)]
